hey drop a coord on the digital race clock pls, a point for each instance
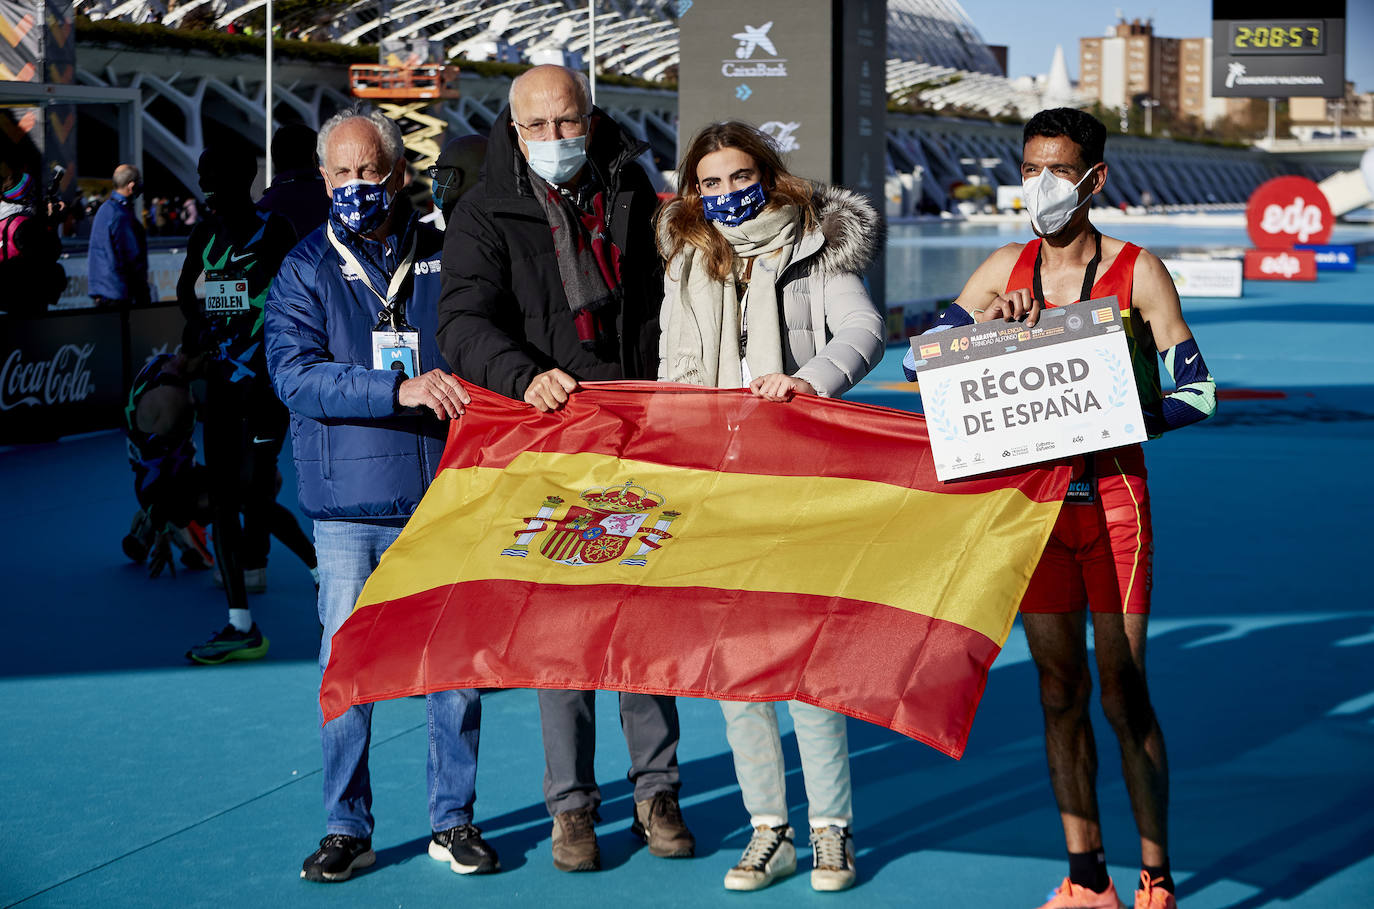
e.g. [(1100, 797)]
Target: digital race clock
[(1277, 36), (1279, 48)]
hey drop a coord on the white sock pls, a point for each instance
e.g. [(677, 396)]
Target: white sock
[(242, 619)]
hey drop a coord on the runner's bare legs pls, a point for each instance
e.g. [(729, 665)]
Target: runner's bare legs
[(1059, 649), (1120, 644)]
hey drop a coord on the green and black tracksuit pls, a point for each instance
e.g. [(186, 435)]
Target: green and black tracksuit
[(239, 252)]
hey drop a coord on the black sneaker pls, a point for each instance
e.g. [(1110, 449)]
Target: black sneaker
[(337, 858), (230, 644), (464, 850)]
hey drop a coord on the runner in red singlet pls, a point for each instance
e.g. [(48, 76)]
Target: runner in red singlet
[(1099, 556)]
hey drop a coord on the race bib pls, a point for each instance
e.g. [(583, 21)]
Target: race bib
[(226, 293), (1083, 487)]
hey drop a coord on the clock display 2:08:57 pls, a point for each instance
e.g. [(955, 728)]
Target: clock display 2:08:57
[(1281, 37)]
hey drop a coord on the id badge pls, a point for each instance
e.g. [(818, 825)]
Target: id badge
[(397, 350), (1083, 487), (226, 293)]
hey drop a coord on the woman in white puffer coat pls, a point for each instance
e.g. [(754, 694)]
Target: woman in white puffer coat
[(763, 290)]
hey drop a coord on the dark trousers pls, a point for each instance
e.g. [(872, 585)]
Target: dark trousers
[(245, 427), (568, 721)]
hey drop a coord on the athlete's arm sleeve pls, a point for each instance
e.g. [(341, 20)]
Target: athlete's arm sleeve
[(1195, 392), (953, 316)]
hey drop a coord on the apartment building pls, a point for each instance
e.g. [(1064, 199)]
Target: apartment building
[(1131, 62)]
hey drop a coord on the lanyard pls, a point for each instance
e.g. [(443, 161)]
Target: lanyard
[(1089, 273), (393, 292), (742, 291)]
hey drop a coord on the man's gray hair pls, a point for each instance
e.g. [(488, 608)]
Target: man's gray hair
[(387, 131), (125, 174), (584, 89)]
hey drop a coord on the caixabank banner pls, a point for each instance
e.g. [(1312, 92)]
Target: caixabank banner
[(809, 73)]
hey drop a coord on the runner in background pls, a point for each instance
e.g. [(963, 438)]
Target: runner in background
[(297, 192), (173, 490), (238, 247), (160, 421)]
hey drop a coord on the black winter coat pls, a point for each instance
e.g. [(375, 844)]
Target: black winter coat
[(503, 316)]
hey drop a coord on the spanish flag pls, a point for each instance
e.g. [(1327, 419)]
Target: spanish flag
[(669, 539)]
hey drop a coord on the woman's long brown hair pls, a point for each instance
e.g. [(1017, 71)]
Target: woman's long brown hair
[(682, 221)]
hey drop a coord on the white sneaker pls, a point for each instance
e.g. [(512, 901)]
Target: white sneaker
[(769, 856), (832, 854)]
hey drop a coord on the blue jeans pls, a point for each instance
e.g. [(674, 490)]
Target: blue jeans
[(348, 552)]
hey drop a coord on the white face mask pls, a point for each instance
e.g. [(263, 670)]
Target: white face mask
[(1052, 201), (557, 160)]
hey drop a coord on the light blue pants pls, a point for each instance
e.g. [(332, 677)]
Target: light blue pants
[(752, 729), (348, 553)]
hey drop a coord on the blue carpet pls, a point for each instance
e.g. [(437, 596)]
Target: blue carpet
[(131, 779)]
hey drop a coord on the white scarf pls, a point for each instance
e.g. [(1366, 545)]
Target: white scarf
[(703, 343)]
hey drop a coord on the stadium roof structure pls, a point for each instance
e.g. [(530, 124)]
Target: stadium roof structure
[(937, 32), (936, 56)]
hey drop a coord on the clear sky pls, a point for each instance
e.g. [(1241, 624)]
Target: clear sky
[(1031, 30)]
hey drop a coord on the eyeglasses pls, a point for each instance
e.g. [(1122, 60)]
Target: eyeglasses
[(562, 128), (437, 170)]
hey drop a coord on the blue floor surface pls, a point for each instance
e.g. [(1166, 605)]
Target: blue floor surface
[(129, 778)]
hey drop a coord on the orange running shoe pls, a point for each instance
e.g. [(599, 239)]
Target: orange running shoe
[(1151, 897), (1071, 896)]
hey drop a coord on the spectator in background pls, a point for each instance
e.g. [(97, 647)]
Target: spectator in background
[(455, 172), (118, 259), (297, 192), (190, 213), (29, 271), (157, 215)]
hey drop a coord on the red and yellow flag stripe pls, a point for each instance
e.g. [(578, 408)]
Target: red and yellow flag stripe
[(811, 554)]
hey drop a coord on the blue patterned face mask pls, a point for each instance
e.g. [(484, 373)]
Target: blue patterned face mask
[(361, 206), (736, 207)]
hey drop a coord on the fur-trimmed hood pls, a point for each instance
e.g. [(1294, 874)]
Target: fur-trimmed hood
[(852, 232), (848, 235)]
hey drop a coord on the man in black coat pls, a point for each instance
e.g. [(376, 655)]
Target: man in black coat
[(550, 277)]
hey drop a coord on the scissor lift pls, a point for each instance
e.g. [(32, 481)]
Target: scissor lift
[(403, 93)]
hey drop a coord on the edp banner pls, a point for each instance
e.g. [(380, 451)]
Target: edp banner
[(1000, 394), (1339, 257)]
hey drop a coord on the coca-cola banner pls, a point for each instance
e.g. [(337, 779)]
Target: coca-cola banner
[(1280, 265), (1286, 211), (60, 374)]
